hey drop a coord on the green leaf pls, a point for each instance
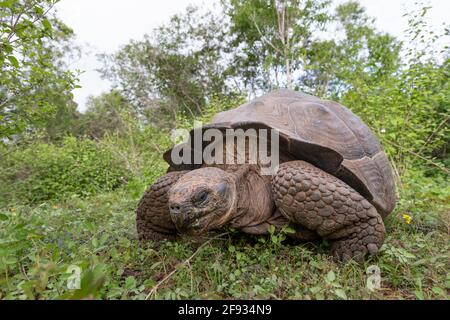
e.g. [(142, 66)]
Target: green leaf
[(406, 254), (47, 25), (130, 282), (13, 61), (10, 260), (341, 294), (289, 230), (7, 47), (331, 276), (419, 295), (39, 11), (7, 3), (438, 291), (316, 264), (3, 217)]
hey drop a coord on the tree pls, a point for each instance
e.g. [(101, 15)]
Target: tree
[(357, 52), (177, 68), (106, 113), (34, 81), (303, 45), (272, 37)]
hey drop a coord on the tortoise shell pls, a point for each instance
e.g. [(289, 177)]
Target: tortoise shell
[(323, 133)]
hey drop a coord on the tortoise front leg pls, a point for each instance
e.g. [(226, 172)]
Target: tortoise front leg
[(319, 201), (153, 220), (279, 221)]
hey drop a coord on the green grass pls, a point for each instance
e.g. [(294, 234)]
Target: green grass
[(39, 243)]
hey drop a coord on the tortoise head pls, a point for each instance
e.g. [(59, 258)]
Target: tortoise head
[(202, 200)]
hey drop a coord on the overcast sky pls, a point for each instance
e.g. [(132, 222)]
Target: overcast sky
[(102, 26)]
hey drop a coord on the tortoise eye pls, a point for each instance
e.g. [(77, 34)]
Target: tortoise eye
[(200, 197)]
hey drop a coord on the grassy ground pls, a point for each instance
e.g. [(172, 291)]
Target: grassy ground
[(39, 243)]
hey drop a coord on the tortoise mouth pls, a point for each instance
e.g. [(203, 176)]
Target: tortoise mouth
[(194, 224)]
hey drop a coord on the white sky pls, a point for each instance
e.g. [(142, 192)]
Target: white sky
[(102, 26)]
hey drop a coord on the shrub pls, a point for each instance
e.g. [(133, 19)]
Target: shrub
[(41, 171)]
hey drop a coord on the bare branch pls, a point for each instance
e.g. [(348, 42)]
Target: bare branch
[(178, 267), (253, 18), (437, 165), (438, 128)]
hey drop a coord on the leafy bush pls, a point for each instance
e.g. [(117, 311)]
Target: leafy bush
[(140, 150), (43, 171)]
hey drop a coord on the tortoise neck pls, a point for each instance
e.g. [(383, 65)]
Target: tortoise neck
[(254, 197)]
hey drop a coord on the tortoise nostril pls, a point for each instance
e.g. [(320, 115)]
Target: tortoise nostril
[(174, 208)]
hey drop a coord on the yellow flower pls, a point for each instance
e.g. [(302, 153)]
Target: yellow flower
[(407, 218)]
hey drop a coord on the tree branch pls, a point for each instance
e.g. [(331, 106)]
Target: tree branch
[(421, 157), (253, 16)]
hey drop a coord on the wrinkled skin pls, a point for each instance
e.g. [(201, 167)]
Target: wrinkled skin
[(313, 202), (202, 200)]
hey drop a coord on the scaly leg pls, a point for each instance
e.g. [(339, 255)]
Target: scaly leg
[(153, 219), (321, 202)]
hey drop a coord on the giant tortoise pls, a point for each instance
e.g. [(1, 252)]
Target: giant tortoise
[(333, 180)]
